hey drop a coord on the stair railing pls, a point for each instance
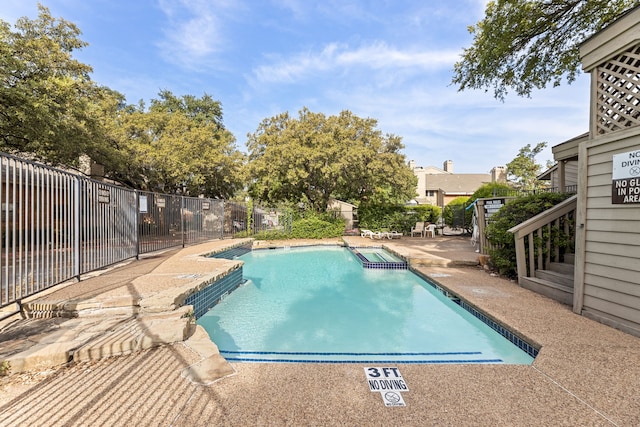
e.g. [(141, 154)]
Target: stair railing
[(545, 238)]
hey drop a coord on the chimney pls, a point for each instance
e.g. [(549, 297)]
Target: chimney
[(448, 166), (412, 164), (499, 174)]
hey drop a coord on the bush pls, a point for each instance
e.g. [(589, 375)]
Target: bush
[(395, 217), (455, 213), (492, 189), (307, 226), (272, 235), (317, 228), (503, 256)]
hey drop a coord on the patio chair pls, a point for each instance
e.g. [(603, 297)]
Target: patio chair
[(419, 229), (431, 229)]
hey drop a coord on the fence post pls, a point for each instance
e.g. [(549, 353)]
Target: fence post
[(136, 208), (182, 218), (77, 259), (481, 229)]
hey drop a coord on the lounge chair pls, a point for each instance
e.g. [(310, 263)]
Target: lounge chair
[(366, 233), (395, 235), (419, 229), (381, 235)]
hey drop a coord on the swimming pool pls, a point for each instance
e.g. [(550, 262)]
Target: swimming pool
[(320, 305)]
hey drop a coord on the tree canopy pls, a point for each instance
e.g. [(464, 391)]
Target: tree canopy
[(525, 45), (313, 158), (178, 145), (51, 111), (47, 99), (523, 169)]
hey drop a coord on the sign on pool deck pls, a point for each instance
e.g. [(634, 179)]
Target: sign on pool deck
[(389, 382), (625, 188)]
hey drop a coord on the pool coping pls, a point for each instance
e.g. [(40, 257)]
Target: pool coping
[(586, 374)]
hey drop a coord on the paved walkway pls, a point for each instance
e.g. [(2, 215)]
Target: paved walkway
[(586, 374)]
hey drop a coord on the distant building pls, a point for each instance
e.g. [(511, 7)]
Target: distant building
[(563, 176), (440, 186), (346, 210)]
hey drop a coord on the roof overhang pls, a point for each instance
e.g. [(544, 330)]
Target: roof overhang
[(568, 150), (616, 38)]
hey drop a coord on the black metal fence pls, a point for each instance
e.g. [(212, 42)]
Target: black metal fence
[(57, 225)]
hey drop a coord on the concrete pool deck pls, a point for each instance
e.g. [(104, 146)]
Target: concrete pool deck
[(586, 374)]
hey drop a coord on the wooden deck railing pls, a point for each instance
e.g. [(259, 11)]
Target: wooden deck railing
[(545, 238)]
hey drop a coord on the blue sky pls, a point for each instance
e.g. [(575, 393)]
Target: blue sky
[(390, 60)]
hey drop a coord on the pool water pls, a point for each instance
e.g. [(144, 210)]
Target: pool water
[(319, 305)]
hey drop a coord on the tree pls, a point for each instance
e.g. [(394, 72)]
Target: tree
[(47, 99), (178, 146), (523, 170), (314, 158), (491, 189), (522, 45), (455, 213)]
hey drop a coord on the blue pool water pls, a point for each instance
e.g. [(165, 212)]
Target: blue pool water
[(320, 305)]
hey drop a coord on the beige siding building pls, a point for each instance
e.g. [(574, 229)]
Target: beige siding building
[(564, 174), (440, 186), (606, 282)]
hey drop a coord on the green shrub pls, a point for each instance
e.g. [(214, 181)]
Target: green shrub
[(272, 235), (492, 189), (458, 205), (395, 217), (316, 228), (503, 254)]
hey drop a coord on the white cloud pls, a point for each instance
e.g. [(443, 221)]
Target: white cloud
[(471, 128), (195, 30), (336, 56)]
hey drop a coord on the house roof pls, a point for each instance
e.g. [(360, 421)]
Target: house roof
[(340, 202), (568, 149), (611, 40), (461, 183), (430, 170), (546, 175)]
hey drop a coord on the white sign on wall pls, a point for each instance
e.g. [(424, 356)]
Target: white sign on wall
[(625, 188)]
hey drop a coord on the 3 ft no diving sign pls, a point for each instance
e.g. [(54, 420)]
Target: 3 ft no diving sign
[(389, 382)]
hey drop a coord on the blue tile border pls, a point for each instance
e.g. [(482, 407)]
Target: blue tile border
[(232, 253), (205, 299), (421, 362), (261, 356), (516, 339)]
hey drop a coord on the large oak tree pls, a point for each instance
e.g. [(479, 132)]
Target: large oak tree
[(51, 111), (178, 145), (48, 102), (314, 158)]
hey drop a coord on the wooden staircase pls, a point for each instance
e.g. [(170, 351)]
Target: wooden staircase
[(544, 265), (555, 282)]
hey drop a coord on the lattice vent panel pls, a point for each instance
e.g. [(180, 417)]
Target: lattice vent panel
[(618, 92)]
